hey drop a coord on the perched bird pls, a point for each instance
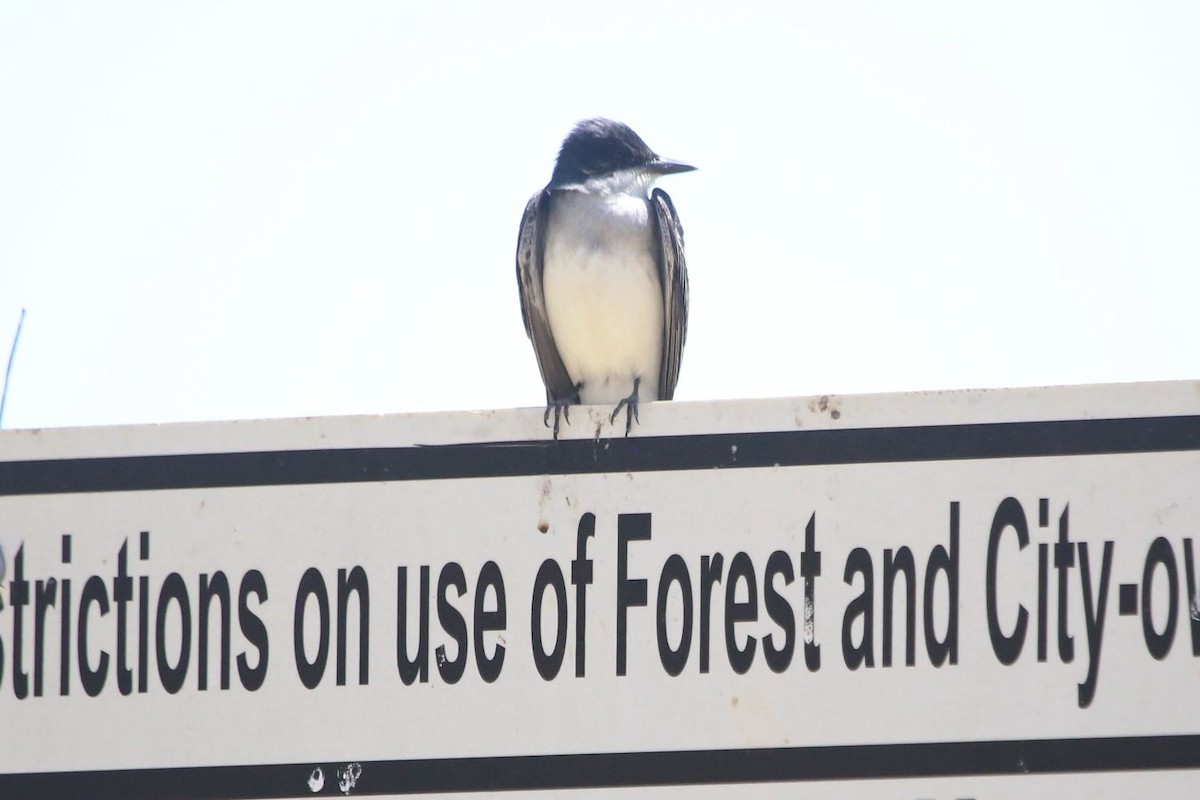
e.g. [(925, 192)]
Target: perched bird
[(601, 273)]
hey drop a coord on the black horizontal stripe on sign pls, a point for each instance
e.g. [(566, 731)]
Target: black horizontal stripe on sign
[(623, 770), (638, 454)]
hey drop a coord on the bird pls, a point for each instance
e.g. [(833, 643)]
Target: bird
[(602, 276)]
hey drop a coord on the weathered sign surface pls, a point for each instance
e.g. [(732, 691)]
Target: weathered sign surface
[(923, 595)]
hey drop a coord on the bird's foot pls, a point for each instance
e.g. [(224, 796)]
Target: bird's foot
[(630, 404), (560, 408)]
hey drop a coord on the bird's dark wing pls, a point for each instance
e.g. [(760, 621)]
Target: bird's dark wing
[(531, 247), (672, 269)]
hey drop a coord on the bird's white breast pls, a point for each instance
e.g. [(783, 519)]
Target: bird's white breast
[(603, 296)]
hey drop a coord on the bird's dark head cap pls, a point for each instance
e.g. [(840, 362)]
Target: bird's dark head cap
[(599, 147)]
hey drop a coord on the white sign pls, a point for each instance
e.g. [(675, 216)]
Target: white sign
[(947, 595)]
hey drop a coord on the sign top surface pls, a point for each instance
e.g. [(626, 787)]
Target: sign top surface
[(826, 412)]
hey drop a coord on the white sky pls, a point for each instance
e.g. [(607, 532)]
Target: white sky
[(231, 210)]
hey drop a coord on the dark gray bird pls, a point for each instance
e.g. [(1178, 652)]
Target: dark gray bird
[(602, 277)]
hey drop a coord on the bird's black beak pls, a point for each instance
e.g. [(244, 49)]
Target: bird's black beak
[(664, 166)]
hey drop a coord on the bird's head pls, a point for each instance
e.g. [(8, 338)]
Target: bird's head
[(600, 153)]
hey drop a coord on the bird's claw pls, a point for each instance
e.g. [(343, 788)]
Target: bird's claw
[(561, 408), (630, 404)]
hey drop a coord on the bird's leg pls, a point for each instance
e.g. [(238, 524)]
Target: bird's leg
[(561, 407), (630, 404)]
